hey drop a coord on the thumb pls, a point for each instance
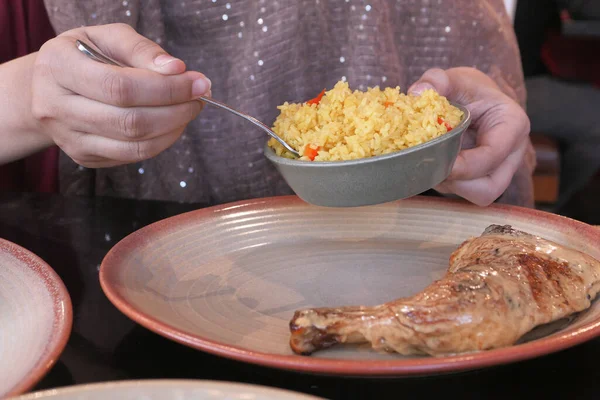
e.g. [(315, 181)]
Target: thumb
[(436, 79), (122, 43), (461, 85)]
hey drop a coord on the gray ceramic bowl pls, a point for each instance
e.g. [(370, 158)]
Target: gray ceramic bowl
[(374, 180)]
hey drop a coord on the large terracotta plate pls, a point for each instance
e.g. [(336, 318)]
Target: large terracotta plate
[(35, 318), (227, 280), (167, 390)]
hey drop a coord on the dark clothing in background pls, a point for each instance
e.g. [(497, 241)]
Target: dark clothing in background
[(533, 20), (545, 51), (560, 74)]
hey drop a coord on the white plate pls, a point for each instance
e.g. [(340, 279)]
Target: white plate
[(167, 390), (35, 318)]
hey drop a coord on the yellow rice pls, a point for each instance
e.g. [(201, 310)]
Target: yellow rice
[(347, 125)]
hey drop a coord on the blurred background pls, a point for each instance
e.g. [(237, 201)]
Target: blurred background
[(559, 42)]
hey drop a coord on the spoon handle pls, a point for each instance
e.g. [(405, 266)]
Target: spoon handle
[(94, 55), (248, 118)]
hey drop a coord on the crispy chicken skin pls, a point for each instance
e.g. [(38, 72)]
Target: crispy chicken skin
[(498, 287)]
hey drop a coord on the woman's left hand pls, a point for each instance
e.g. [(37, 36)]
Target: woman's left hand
[(481, 174)]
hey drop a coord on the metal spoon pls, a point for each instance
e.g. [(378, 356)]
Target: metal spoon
[(94, 55)]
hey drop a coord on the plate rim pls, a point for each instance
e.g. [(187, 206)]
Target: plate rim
[(344, 367), (62, 318), (132, 383)]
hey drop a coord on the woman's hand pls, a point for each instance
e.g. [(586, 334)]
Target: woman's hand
[(500, 126), (102, 115)]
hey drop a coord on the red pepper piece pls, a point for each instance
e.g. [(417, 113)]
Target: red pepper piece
[(311, 151), (317, 99), (447, 125)]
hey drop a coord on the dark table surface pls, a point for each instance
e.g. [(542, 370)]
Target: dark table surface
[(74, 234)]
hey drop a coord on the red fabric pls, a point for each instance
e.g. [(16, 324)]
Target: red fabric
[(24, 27), (573, 58)]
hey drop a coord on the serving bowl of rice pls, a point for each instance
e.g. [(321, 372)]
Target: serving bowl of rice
[(361, 148)]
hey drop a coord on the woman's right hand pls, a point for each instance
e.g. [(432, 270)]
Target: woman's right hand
[(102, 115)]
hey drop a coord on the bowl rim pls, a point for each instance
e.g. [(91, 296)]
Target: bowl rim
[(456, 131)]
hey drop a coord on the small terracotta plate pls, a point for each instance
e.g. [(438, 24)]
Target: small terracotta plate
[(35, 318), (228, 279), (167, 390)]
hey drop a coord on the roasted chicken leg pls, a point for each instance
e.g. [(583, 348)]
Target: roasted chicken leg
[(498, 287)]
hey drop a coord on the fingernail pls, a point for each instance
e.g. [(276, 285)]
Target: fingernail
[(201, 86), (419, 88), (164, 59)]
